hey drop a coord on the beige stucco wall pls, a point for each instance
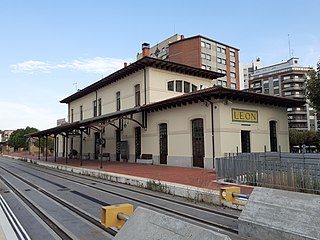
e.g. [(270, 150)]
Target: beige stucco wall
[(179, 133), (227, 134), (156, 83), (108, 97), (158, 80)]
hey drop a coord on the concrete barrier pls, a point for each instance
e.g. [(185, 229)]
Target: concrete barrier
[(146, 224), (277, 214)]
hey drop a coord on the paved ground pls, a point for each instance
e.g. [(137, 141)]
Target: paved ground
[(189, 176)]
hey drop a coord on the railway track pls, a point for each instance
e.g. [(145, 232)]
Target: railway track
[(133, 194)]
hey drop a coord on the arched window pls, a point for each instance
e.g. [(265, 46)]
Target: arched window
[(137, 95)]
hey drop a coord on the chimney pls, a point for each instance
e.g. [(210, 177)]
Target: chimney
[(182, 37), (145, 49), (125, 64)]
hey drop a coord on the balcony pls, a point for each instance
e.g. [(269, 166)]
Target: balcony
[(293, 80), (297, 120), (292, 88), (257, 87), (296, 96), (298, 126), (297, 112)]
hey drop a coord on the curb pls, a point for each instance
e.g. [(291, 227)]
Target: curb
[(175, 189)]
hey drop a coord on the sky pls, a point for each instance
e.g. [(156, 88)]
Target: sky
[(51, 48)]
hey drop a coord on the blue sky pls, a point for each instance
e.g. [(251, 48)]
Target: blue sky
[(48, 46)]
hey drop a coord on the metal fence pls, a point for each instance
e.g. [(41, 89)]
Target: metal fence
[(289, 171)]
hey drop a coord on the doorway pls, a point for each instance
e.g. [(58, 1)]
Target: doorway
[(245, 141), (96, 145), (118, 144), (197, 142), (163, 135), (137, 139), (273, 136)]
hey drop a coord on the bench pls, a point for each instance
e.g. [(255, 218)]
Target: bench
[(145, 159), (73, 154), (104, 155), (86, 156)]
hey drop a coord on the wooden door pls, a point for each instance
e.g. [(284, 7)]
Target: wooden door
[(137, 142), (163, 143), (96, 145), (118, 142), (197, 142)]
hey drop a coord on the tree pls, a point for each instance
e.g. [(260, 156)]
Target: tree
[(18, 139), (299, 138), (50, 143), (313, 87), (296, 138)]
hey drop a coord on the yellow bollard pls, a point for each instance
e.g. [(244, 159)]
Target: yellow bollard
[(109, 215), (226, 194)]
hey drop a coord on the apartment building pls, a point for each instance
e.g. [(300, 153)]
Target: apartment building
[(246, 71), (5, 135), (157, 108), (201, 52), (287, 79)]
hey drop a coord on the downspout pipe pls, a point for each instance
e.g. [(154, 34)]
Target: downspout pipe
[(212, 130), (145, 85)]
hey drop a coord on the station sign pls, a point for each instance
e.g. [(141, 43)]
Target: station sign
[(242, 115)]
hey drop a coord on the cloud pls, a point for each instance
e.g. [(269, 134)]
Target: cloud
[(95, 65), (16, 115), (312, 54)]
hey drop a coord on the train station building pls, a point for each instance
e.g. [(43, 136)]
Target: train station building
[(160, 112)]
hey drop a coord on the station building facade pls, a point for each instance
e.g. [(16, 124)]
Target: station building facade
[(172, 113)]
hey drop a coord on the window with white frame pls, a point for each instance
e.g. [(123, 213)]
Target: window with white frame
[(71, 117), (81, 112), (118, 104), (99, 107), (178, 86), (95, 108), (171, 86), (137, 94), (186, 87)]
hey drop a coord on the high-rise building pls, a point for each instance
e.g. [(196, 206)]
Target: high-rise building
[(287, 79), (201, 52), (246, 70)]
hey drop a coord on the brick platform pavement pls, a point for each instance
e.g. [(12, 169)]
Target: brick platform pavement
[(188, 176)]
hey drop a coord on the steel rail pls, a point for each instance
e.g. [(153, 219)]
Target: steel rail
[(62, 234), (166, 209), (228, 215), (63, 203)]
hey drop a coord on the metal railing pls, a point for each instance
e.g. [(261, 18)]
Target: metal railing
[(289, 171)]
